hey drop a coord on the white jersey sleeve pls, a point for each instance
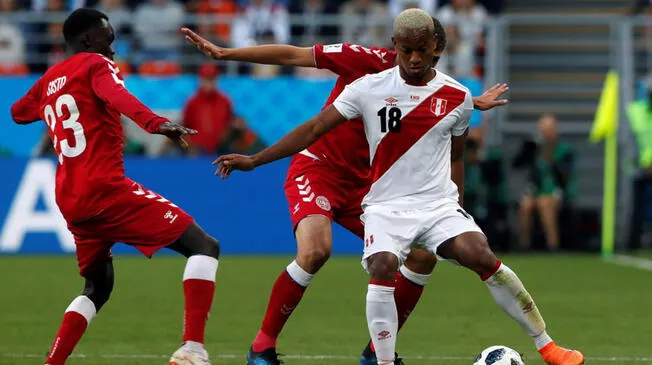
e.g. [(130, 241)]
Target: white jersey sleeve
[(348, 102), (462, 123)]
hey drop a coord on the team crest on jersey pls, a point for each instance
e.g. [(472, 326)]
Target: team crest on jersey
[(438, 106), (323, 203), (391, 101)]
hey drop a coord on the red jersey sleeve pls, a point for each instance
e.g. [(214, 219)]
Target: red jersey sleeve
[(352, 59), (26, 109), (108, 85)]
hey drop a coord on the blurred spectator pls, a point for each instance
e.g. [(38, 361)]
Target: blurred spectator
[(12, 42), (464, 23), (397, 6), (552, 182), (118, 14), (310, 31), (485, 189), (241, 139), (364, 22), (219, 30), (156, 24), (641, 7), (47, 38), (41, 5), (261, 21), (210, 112)]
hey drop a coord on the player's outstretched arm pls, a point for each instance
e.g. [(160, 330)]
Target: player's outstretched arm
[(294, 142), (272, 54), (26, 109), (489, 99)]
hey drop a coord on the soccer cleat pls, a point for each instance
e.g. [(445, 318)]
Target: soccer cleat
[(267, 357), (368, 357), (557, 355), (187, 355)]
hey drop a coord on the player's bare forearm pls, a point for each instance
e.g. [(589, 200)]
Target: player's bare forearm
[(272, 54), (457, 164), (300, 137)]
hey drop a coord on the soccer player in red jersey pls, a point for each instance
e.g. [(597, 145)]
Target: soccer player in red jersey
[(327, 181), (415, 121), (80, 100)]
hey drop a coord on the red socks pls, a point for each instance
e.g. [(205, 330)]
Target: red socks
[(199, 298), (406, 295), (198, 290), (71, 330), (286, 295), (75, 321)]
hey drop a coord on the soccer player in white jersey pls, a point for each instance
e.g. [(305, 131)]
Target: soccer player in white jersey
[(416, 121)]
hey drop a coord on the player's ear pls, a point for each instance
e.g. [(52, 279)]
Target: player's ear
[(85, 41), (394, 42)]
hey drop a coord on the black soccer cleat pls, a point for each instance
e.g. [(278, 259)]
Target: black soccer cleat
[(267, 357), (368, 357)]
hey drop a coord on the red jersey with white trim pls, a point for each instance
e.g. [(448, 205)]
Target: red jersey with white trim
[(80, 100), (344, 148), (408, 129)]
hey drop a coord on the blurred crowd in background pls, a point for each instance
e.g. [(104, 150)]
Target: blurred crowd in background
[(148, 39)]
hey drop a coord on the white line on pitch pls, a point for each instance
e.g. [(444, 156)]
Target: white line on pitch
[(632, 261), (316, 357)]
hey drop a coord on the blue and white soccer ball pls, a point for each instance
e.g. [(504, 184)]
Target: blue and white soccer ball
[(499, 355)]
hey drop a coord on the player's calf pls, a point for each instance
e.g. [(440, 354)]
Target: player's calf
[(202, 251), (314, 242), (382, 317)]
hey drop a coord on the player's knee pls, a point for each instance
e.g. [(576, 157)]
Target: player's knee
[(382, 266), (212, 246), (484, 259), (99, 289), (421, 262), (314, 242), (314, 257)]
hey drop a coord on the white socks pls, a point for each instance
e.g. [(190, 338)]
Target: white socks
[(382, 320), (299, 275), (510, 294), (84, 306), (200, 267)]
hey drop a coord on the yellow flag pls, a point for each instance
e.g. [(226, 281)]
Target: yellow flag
[(606, 117)]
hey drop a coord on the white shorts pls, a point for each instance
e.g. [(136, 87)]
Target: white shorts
[(398, 231)]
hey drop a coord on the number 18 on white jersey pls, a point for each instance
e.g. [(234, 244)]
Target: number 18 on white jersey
[(409, 131)]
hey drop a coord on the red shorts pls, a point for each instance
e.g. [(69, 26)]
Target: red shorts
[(135, 216), (312, 187)]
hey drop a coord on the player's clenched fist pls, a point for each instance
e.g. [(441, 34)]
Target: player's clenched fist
[(228, 163)]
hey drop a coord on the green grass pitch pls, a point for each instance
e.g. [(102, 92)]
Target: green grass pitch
[(603, 309)]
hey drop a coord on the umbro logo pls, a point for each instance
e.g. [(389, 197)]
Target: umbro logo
[(391, 101)]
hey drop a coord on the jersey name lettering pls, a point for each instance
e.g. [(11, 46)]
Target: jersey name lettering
[(56, 85)]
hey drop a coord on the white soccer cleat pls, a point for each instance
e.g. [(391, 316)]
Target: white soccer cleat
[(190, 355)]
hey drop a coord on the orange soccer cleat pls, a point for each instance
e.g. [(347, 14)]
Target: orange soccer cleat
[(557, 355)]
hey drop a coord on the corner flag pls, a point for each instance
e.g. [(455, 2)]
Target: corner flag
[(605, 126)]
